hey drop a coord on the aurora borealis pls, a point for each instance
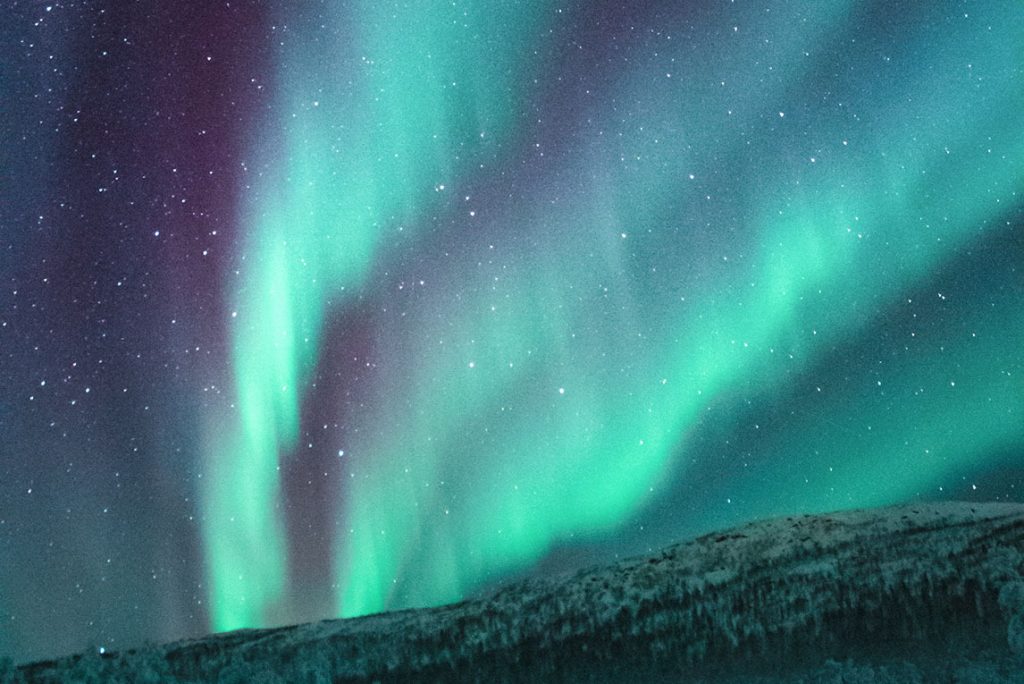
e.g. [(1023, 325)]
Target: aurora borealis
[(322, 310)]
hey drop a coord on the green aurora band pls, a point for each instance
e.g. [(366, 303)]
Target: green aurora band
[(363, 152), (700, 240)]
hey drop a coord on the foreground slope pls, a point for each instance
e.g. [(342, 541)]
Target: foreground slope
[(919, 593)]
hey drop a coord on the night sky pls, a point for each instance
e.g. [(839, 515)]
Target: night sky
[(318, 309)]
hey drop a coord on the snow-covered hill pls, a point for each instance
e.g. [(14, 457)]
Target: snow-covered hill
[(920, 593)]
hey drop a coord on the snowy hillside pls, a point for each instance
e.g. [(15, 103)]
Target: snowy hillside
[(920, 593)]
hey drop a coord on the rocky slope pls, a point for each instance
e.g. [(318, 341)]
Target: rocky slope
[(920, 593)]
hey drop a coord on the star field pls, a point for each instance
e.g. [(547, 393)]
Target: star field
[(320, 311)]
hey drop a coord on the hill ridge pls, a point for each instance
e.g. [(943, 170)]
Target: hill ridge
[(909, 586)]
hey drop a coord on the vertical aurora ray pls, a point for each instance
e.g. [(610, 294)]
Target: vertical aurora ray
[(571, 422), (373, 114), (544, 393)]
